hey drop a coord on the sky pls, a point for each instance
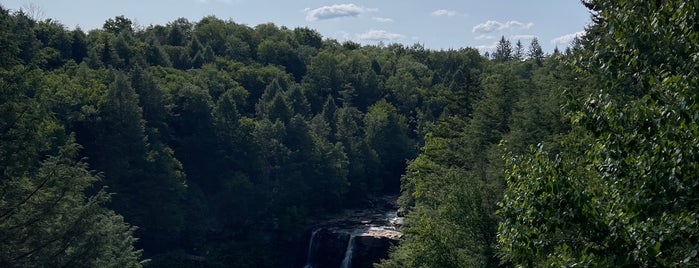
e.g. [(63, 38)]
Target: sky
[(436, 24)]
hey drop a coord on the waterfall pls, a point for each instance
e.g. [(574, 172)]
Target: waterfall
[(347, 261), (309, 257)]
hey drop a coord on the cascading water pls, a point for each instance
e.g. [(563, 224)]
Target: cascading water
[(347, 261), (309, 260), (357, 238)]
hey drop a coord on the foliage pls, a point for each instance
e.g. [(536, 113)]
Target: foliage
[(630, 201), (46, 217), (451, 189), (218, 142)]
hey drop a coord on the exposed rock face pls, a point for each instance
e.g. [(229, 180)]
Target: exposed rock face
[(369, 249), (356, 241), (327, 248)]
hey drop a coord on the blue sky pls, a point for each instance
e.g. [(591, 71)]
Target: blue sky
[(437, 24)]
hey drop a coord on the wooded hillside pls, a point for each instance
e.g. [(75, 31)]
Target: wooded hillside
[(215, 143)]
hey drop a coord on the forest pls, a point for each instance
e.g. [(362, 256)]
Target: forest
[(213, 144)]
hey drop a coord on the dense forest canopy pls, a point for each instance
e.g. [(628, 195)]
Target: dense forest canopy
[(215, 143)]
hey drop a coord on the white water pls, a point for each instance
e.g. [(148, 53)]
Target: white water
[(389, 229), (347, 261), (310, 249)]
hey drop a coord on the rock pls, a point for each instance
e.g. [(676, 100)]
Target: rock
[(382, 231), (355, 238), (397, 221), (369, 249), (401, 212), (327, 248)]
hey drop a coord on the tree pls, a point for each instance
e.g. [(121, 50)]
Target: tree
[(211, 32), (46, 217), (138, 167), (23, 35), (363, 161), (120, 145), (535, 52), (279, 109), (155, 54), (519, 51), (626, 202), (322, 78), (328, 114), (194, 138), (386, 132), (447, 224), (53, 37), (79, 45), (123, 47), (282, 54), (308, 37), (48, 220), (298, 102), (503, 50), (118, 25), (11, 47)]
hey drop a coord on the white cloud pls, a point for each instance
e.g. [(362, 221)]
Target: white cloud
[(341, 36), (522, 37), (335, 11), (493, 25), (485, 37), (566, 39), (384, 20), (444, 12), (379, 35), (487, 48)]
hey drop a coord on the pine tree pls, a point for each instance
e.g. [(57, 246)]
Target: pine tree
[(519, 51), (503, 50), (535, 52)]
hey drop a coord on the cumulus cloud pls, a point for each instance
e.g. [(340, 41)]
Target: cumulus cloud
[(335, 11), (379, 35), (566, 39), (444, 12), (493, 26), (383, 20)]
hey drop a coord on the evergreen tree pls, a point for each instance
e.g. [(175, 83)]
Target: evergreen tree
[(79, 45), (519, 51), (535, 52), (298, 102), (155, 54), (328, 113), (503, 50), (279, 109), (387, 133)]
